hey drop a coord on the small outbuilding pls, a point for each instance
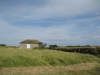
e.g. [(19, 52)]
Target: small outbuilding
[(29, 44)]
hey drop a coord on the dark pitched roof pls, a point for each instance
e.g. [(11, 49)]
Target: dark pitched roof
[(28, 41)]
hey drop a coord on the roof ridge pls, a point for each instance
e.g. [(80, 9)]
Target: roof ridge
[(30, 40)]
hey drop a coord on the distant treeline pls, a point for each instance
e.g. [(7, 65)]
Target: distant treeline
[(88, 50), (79, 46), (2, 45), (69, 46)]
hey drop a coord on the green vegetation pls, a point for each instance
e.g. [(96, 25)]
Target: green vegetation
[(87, 50), (2, 45), (52, 46), (42, 45), (11, 57), (43, 61)]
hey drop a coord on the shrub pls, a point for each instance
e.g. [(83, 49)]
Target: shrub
[(96, 52), (52, 46), (90, 50), (2, 45)]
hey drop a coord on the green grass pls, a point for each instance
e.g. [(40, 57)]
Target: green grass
[(15, 61), (14, 57)]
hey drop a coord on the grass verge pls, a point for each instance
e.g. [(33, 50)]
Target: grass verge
[(14, 57)]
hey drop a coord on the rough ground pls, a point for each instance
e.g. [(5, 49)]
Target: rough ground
[(47, 70)]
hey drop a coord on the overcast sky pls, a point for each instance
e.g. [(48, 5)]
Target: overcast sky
[(61, 22)]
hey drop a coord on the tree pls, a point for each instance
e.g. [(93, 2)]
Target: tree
[(87, 45), (40, 44), (44, 45), (2, 45), (52, 46)]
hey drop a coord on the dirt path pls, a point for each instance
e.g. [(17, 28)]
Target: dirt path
[(45, 70)]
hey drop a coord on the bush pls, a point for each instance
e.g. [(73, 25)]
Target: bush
[(96, 52), (52, 46), (90, 50), (2, 45), (35, 47)]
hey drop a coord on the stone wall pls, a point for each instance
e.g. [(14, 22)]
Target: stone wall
[(33, 45), (24, 46)]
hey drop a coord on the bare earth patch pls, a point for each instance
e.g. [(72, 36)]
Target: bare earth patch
[(46, 70)]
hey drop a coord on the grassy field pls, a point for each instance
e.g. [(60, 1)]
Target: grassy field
[(14, 61)]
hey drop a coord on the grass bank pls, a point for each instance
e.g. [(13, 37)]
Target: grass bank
[(14, 57), (14, 61)]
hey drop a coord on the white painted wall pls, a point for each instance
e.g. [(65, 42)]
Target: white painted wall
[(28, 46)]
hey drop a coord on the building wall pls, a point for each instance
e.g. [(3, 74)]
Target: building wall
[(33, 45), (24, 46)]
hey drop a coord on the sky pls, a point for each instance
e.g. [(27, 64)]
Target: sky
[(60, 22)]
